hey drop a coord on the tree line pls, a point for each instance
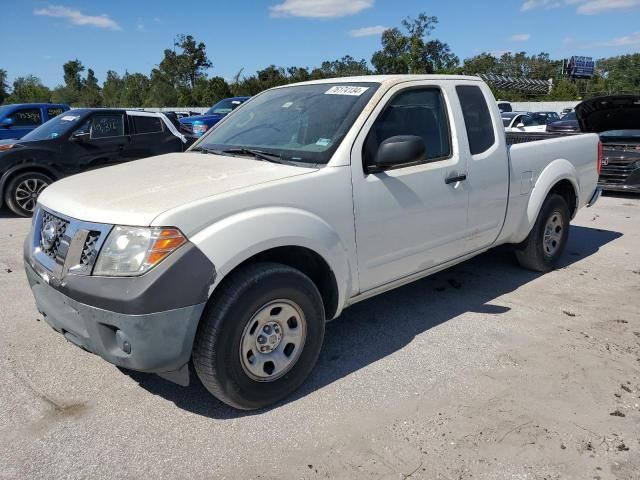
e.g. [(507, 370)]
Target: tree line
[(181, 78)]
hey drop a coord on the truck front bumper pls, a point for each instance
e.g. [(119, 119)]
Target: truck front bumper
[(159, 342)]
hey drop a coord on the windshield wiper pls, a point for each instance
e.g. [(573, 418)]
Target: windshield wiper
[(269, 157), (207, 150)]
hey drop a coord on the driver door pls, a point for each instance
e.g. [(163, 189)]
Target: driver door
[(101, 141), (409, 219)]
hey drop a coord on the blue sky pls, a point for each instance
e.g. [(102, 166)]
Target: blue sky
[(38, 36)]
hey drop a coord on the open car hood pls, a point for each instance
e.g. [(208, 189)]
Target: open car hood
[(616, 112)]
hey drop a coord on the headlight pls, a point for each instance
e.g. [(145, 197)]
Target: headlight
[(130, 251)]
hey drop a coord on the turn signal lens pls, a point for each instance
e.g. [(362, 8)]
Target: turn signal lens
[(6, 147)]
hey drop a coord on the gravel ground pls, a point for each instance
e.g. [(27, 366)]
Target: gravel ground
[(483, 371)]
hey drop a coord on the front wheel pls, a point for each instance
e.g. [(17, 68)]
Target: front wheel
[(260, 337), (23, 191), (542, 249)]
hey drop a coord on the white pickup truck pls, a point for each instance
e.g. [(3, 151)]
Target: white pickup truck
[(305, 200)]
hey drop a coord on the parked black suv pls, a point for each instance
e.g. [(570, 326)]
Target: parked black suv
[(76, 141)]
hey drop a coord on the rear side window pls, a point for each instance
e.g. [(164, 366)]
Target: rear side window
[(418, 112), (477, 118), (26, 117), (54, 111), (147, 124)]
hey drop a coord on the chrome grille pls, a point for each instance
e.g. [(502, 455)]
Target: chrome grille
[(60, 226), (72, 247), (620, 163), (89, 251)]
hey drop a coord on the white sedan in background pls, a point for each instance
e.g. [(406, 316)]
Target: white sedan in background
[(524, 122)]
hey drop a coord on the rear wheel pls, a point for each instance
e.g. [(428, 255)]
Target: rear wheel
[(548, 238), (23, 191), (260, 338)]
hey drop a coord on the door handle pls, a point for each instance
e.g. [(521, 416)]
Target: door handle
[(456, 179)]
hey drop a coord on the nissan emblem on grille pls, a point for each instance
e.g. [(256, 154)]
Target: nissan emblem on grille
[(49, 234)]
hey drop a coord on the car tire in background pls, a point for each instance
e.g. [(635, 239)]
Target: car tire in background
[(547, 240), (261, 335), (22, 191)]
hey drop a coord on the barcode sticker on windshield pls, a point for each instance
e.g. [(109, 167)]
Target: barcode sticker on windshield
[(346, 90)]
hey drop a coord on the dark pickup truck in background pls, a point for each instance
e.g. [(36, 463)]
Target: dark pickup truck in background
[(18, 119), (617, 119)]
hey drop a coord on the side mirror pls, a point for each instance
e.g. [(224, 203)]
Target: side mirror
[(6, 122), (520, 125), (399, 150)]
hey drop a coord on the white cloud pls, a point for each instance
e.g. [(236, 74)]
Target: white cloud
[(532, 4), (367, 31), (593, 7), (584, 7), (632, 39), (140, 27), (319, 8), (520, 37), (76, 17)]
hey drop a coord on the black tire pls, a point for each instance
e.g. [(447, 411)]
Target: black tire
[(534, 253), (226, 321), (23, 190)]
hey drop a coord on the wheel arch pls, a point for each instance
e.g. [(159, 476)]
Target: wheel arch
[(24, 168), (559, 177)]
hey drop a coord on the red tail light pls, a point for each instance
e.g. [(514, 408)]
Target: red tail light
[(600, 155)]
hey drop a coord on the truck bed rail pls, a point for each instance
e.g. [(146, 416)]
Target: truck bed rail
[(522, 137)]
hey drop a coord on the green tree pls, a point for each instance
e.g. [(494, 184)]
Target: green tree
[(162, 92), (4, 86), (182, 68), (208, 91), (410, 52), (29, 89), (135, 89), (112, 90), (90, 94)]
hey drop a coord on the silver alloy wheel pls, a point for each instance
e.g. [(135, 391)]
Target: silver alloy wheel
[(553, 232), (27, 193), (273, 340)]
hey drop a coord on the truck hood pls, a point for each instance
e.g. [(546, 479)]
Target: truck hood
[(616, 112), (201, 118), (135, 193)]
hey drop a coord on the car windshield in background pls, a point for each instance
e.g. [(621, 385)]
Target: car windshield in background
[(224, 107), (507, 118), (53, 128), (4, 110), (569, 116), (302, 123)]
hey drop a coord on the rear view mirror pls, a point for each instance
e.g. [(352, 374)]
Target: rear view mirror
[(400, 150), (6, 122)]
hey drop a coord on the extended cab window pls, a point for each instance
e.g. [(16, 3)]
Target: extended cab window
[(146, 124), (420, 112), (26, 117), (477, 118), (105, 125)]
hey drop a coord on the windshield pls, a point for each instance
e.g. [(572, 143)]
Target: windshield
[(4, 110), (224, 107), (300, 123), (569, 116), (53, 128)]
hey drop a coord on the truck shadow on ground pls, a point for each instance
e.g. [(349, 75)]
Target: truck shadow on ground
[(380, 326)]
